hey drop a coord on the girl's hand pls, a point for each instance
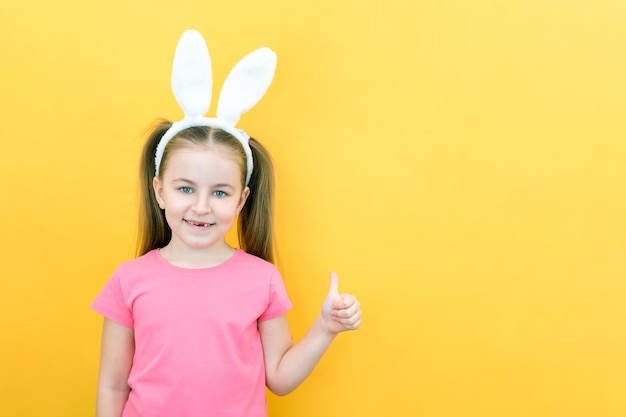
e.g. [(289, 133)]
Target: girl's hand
[(340, 312)]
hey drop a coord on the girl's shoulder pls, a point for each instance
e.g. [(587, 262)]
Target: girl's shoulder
[(142, 263), (242, 258)]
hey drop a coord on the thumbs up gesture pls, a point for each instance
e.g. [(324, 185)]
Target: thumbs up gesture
[(340, 312)]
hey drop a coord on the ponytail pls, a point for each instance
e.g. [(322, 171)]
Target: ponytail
[(256, 220), (153, 231)]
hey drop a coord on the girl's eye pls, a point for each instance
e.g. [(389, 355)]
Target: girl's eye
[(186, 190), (219, 193)]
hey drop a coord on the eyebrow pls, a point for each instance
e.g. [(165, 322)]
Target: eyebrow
[(224, 186), (186, 181)]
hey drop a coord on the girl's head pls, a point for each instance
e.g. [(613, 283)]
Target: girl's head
[(192, 84), (255, 222)]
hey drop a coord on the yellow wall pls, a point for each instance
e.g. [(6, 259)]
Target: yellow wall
[(461, 164)]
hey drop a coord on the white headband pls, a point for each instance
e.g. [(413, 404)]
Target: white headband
[(192, 84)]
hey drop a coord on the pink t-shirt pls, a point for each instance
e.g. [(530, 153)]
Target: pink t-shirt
[(197, 347)]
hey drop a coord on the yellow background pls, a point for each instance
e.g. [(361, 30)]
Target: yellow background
[(461, 164)]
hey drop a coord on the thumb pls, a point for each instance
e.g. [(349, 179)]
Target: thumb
[(334, 284), (333, 293)]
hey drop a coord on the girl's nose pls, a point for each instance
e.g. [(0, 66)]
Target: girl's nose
[(202, 205)]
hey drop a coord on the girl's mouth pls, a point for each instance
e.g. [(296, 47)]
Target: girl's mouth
[(198, 224)]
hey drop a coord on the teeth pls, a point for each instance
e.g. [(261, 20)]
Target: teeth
[(199, 224)]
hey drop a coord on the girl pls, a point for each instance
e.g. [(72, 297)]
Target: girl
[(193, 326)]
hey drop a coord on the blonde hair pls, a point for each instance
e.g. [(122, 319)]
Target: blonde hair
[(256, 219)]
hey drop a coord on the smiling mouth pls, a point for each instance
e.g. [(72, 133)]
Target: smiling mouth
[(198, 224)]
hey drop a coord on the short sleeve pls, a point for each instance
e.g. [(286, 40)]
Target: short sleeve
[(279, 302), (111, 303)]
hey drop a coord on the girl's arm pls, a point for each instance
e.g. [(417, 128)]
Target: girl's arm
[(287, 365), (116, 358)]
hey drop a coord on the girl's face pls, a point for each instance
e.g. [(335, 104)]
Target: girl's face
[(201, 193)]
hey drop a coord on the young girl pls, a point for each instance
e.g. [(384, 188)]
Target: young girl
[(193, 326)]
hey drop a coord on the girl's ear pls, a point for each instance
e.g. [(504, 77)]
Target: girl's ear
[(157, 185), (243, 199)]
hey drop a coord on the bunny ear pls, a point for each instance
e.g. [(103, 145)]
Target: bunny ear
[(246, 84), (191, 75)]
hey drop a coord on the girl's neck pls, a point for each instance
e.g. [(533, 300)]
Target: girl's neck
[(196, 259)]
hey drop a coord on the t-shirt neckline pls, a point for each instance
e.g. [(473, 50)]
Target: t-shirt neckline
[(156, 254)]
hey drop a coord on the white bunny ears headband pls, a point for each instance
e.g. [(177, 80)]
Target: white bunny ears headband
[(192, 84)]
